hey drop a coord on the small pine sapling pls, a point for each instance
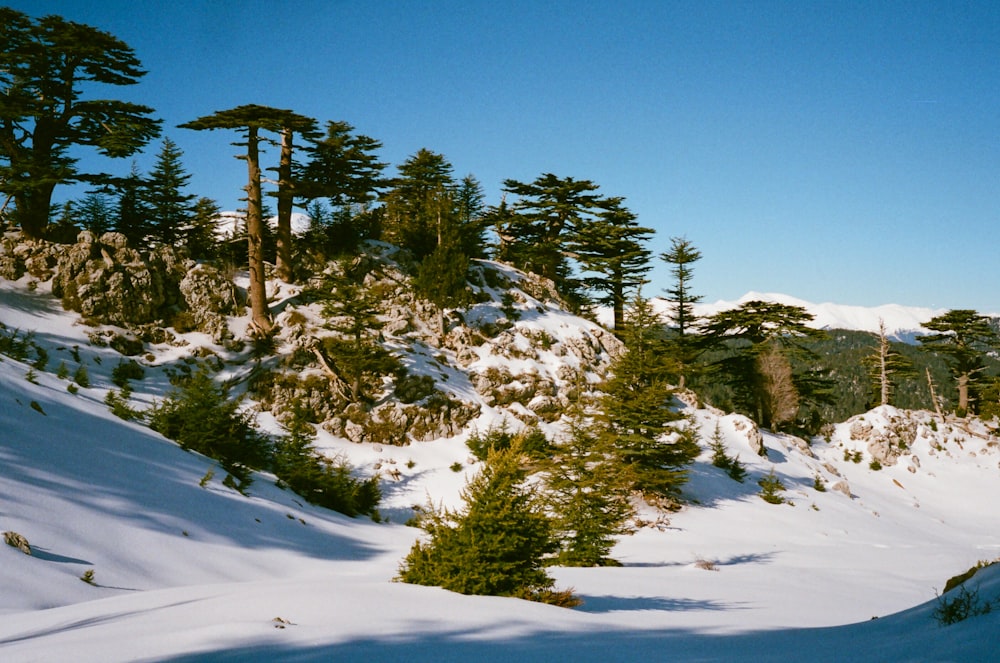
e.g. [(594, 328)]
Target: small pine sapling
[(770, 488)]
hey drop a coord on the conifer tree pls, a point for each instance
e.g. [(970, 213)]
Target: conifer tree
[(420, 197), (442, 276), (94, 213), (757, 338), (131, 218), (681, 256), (290, 124), (610, 245), (169, 210), (547, 209), (589, 495), (471, 212), (202, 239), (637, 415), (963, 337), (251, 119), (496, 544), (44, 113), (887, 366)]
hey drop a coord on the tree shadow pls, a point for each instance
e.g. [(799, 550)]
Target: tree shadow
[(630, 603)]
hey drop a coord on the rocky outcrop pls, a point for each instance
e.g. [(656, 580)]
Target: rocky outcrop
[(106, 281), (209, 297), (15, 540)]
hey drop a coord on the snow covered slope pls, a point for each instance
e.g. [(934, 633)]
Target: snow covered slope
[(184, 571)]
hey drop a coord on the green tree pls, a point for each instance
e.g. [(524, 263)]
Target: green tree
[(471, 211), (496, 544), (169, 210), (637, 415), (290, 124), (202, 239), (442, 276), (887, 367), (963, 337), (610, 246), (589, 495), (251, 119), (45, 66), (342, 167), (547, 209), (131, 218), (681, 256), (419, 199), (94, 212), (758, 338), (199, 415)]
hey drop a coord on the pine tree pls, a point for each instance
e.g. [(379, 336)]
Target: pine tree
[(637, 414), (496, 544), (131, 218), (94, 213), (757, 338), (963, 337), (685, 349), (442, 276), (420, 197), (589, 495), (203, 239), (611, 246), (44, 114), (471, 212), (887, 366), (547, 209), (290, 124), (251, 119), (169, 210)]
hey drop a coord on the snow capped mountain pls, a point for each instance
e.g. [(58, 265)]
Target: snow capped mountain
[(902, 323)]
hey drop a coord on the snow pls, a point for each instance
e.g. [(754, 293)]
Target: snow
[(902, 323), (184, 572)]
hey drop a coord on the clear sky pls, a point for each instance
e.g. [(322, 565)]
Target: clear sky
[(842, 151)]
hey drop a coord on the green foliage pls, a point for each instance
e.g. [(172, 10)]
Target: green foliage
[(200, 416), (45, 117), (13, 344), (31, 376), (731, 464), (320, 480), (758, 342), (963, 338), (637, 416), (62, 372), (959, 605), (208, 476), (88, 577), (169, 211), (496, 544), (125, 371), (770, 488), (589, 496), (81, 376), (117, 401), (531, 441)]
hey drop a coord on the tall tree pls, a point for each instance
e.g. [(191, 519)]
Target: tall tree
[(291, 124), (130, 215), (442, 275), (202, 239), (547, 208), (43, 66), (758, 336), (251, 119), (94, 212), (342, 166), (168, 208), (887, 366), (611, 247), (963, 337), (681, 256), (471, 210), (589, 494), (637, 414), (415, 204)]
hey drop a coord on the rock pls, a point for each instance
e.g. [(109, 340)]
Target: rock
[(209, 296), (17, 541), (842, 487)]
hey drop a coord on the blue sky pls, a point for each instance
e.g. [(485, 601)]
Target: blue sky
[(833, 151)]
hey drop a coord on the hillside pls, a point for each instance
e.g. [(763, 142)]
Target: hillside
[(184, 571)]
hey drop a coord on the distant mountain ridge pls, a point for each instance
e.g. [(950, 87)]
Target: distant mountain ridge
[(902, 323)]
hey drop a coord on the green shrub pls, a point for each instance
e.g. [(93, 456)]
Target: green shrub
[(81, 376), (958, 605), (731, 464), (323, 481), (125, 371), (200, 416), (770, 488)]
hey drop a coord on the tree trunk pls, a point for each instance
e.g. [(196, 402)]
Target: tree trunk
[(284, 267), (261, 320), (963, 393), (883, 359), (31, 210)]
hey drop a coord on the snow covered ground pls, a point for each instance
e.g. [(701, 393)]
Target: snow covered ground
[(186, 572)]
